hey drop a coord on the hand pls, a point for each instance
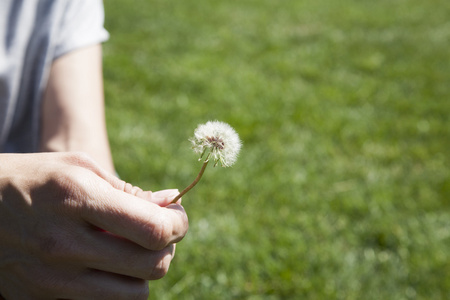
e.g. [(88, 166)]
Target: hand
[(70, 230)]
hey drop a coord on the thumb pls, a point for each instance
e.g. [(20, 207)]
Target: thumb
[(161, 198), (164, 197)]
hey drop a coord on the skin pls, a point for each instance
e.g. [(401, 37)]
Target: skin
[(69, 228), (74, 231), (73, 107)]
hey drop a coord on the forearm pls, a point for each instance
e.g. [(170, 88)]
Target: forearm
[(73, 117)]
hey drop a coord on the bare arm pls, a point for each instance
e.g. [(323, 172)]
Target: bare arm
[(73, 116)]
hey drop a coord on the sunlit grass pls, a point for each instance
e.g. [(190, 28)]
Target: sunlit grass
[(342, 189)]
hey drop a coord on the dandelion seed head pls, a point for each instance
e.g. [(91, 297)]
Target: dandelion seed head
[(219, 140)]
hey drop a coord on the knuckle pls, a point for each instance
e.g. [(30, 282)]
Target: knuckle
[(185, 222), (135, 190), (79, 159), (82, 160), (182, 227), (164, 232), (129, 188), (160, 269), (161, 235)]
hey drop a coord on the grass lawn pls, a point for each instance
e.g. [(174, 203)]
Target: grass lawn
[(342, 188)]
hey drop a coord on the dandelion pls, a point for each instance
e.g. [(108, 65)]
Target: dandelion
[(216, 141)]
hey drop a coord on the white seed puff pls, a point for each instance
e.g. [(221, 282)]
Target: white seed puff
[(218, 141)]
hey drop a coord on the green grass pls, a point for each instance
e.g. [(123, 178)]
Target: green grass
[(342, 190)]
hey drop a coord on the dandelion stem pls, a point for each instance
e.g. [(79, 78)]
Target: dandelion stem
[(197, 179)]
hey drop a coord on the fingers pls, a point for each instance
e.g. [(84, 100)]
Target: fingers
[(95, 249), (116, 255), (143, 222), (65, 196), (96, 284), (75, 283), (120, 208)]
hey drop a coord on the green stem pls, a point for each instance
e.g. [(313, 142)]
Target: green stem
[(200, 174)]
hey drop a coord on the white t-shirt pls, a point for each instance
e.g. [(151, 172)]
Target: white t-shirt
[(33, 33)]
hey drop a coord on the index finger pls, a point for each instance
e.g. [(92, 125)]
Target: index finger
[(140, 221)]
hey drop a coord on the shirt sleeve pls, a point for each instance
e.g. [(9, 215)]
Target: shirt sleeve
[(81, 25)]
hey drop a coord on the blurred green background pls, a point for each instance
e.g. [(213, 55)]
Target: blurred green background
[(342, 188)]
